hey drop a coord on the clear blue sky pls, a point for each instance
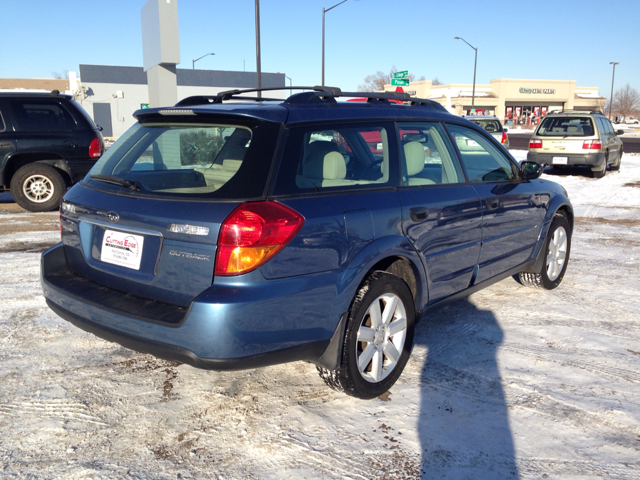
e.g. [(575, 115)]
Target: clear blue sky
[(562, 40)]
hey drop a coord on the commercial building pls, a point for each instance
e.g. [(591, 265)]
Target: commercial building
[(514, 101), (110, 94)]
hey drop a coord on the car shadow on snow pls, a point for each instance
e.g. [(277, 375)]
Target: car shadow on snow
[(464, 423), (566, 171)]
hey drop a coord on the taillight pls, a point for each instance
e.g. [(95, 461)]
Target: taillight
[(95, 148), (504, 138), (252, 234), (535, 143), (592, 145)]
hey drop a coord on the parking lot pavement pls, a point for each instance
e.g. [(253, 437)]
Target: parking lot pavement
[(513, 381)]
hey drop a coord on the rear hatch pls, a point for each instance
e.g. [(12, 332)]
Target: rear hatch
[(566, 134), (145, 220)]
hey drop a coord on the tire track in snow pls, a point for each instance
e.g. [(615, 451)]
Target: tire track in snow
[(532, 467), (51, 409), (569, 359)]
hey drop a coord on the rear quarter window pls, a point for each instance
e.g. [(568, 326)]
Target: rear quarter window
[(42, 115), (340, 157)]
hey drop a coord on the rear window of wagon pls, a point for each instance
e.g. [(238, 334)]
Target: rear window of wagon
[(566, 127), (227, 161)]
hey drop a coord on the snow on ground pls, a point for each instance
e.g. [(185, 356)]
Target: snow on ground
[(511, 382)]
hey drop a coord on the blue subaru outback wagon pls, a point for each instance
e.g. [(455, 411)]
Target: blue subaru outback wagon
[(232, 232)]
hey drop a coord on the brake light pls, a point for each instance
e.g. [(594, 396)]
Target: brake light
[(95, 148), (592, 145), (253, 234), (535, 143), (505, 139)]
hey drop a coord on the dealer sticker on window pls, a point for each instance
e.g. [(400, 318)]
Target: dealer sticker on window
[(560, 160), (121, 248)]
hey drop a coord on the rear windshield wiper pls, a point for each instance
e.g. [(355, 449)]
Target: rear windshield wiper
[(123, 182)]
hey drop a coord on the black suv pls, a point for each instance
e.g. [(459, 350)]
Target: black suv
[(47, 143)]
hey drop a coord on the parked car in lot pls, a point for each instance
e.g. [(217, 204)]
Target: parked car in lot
[(229, 232), (577, 138), (492, 124), (47, 143)]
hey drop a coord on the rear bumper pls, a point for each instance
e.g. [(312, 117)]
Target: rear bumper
[(593, 160), (232, 325)]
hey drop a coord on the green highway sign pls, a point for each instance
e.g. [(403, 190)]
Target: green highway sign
[(401, 82), (402, 74)]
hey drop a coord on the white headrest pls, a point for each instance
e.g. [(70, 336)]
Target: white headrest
[(335, 168), (328, 167), (414, 154)]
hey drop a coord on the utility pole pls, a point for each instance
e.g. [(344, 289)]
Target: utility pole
[(323, 12), (612, 78)]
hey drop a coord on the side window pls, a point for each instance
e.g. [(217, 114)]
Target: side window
[(427, 158), (344, 157), (42, 115), (607, 125), (602, 125), (483, 161)]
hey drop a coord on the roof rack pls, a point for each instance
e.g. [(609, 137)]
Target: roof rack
[(317, 94), (578, 111)]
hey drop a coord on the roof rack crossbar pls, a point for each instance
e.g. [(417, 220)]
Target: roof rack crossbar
[(229, 94), (578, 110), (315, 94)]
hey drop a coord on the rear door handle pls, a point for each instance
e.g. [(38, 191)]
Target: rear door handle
[(493, 204), (6, 144), (418, 214)]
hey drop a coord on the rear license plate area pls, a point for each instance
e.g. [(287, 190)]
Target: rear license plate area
[(122, 248)]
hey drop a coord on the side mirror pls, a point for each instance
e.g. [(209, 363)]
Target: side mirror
[(530, 170), (619, 132), (505, 130)]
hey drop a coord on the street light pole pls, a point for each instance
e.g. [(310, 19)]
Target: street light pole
[(475, 63), (259, 72), (612, 78), (193, 62), (324, 10)]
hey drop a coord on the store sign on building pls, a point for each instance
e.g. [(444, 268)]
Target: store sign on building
[(546, 91)]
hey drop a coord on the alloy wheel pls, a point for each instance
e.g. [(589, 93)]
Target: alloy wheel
[(381, 337), (557, 253), (38, 188)]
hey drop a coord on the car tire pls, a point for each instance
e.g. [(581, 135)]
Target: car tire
[(378, 338), (616, 166), (601, 173), (37, 187), (557, 247)]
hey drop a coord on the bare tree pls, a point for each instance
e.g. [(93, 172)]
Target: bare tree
[(436, 81), (626, 101), (377, 81), (64, 74)]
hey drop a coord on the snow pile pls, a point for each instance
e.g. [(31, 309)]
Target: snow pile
[(512, 382)]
